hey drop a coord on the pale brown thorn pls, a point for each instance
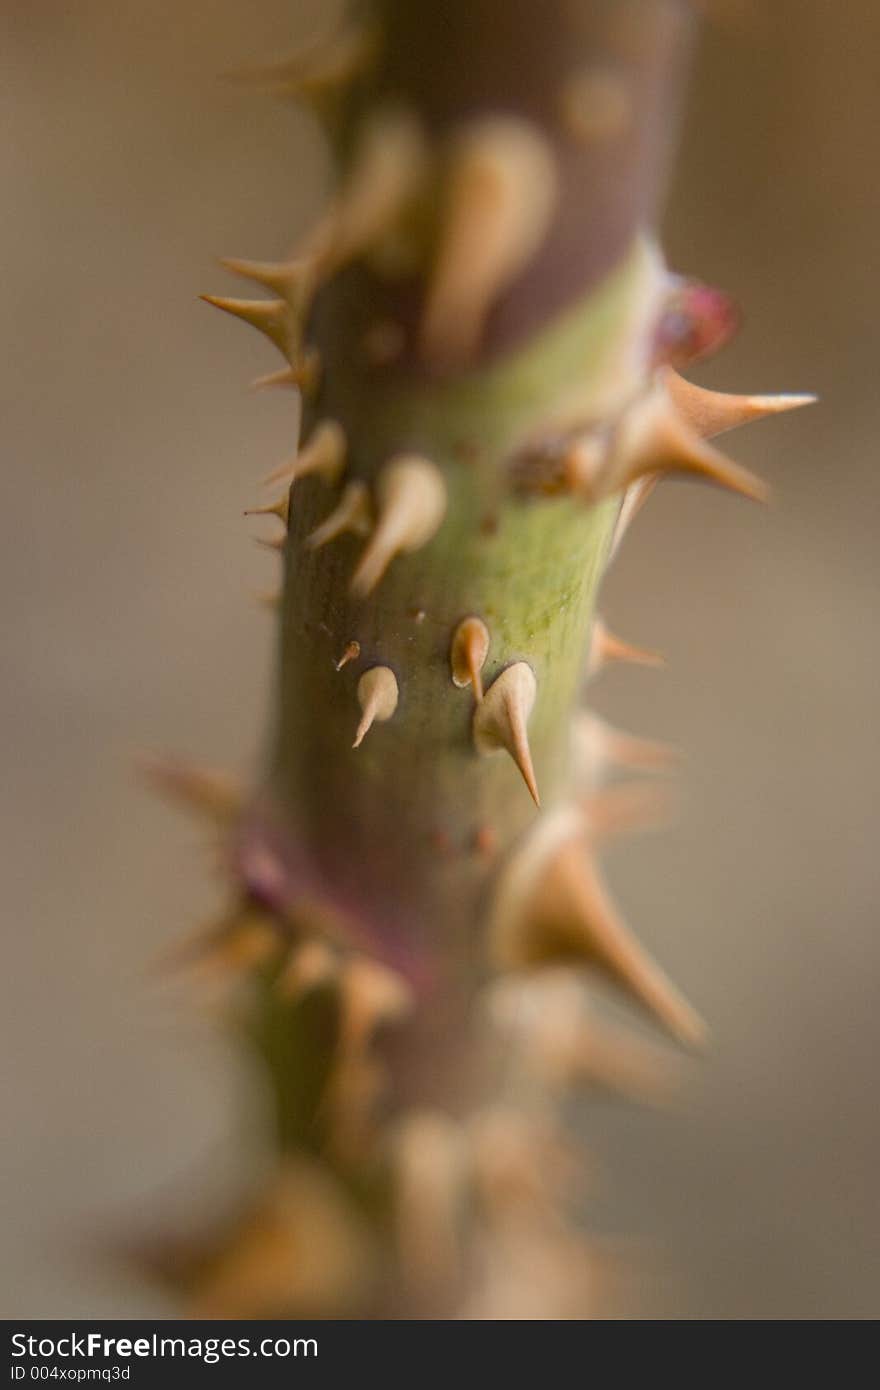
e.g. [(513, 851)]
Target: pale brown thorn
[(430, 1169), (283, 474), (319, 70), (208, 792), (351, 653), (304, 376), (710, 413), (257, 1269), (501, 196), (240, 940), (547, 1015), (467, 655), (501, 720), (285, 376), (707, 413), (372, 994), (269, 316), (310, 964), (553, 906), (634, 499), (387, 170), (610, 1059), (294, 281), (520, 1163), (377, 694), (411, 505), (627, 808), (599, 930), (653, 438), (280, 508), (640, 754), (323, 454), (353, 513), (606, 649), (275, 543), (601, 745)]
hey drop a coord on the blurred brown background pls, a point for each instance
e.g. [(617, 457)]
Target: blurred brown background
[(131, 446)]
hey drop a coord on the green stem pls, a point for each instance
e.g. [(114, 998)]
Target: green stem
[(394, 825)]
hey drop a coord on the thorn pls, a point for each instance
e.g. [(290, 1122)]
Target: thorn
[(626, 808), (634, 498), (430, 1171), (500, 198), (598, 930), (283, 474), (501, 719), (276, 543), (281, 508), (710, 413), (215, 795), (652, 438), (256, 1268), (655, 438), (270, 316), (609, 1059), (371, 996), (387, 171), (319, 72), (285, 376), (317, 918), (377, 694), (599, 745), (546, 1016), (706, 413), (562, 911), (467, 655), (241, 940), (353, 512), (606, 649), (305, 376), (351, 653), (294, 281), (411, 504), (324, 454), (309, 965), (517, 1161)]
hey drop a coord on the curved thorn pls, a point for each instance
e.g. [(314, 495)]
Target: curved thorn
[(501, 720), (411, 505), (710, 413), (377, 694), (353, 512), (467, 654)]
